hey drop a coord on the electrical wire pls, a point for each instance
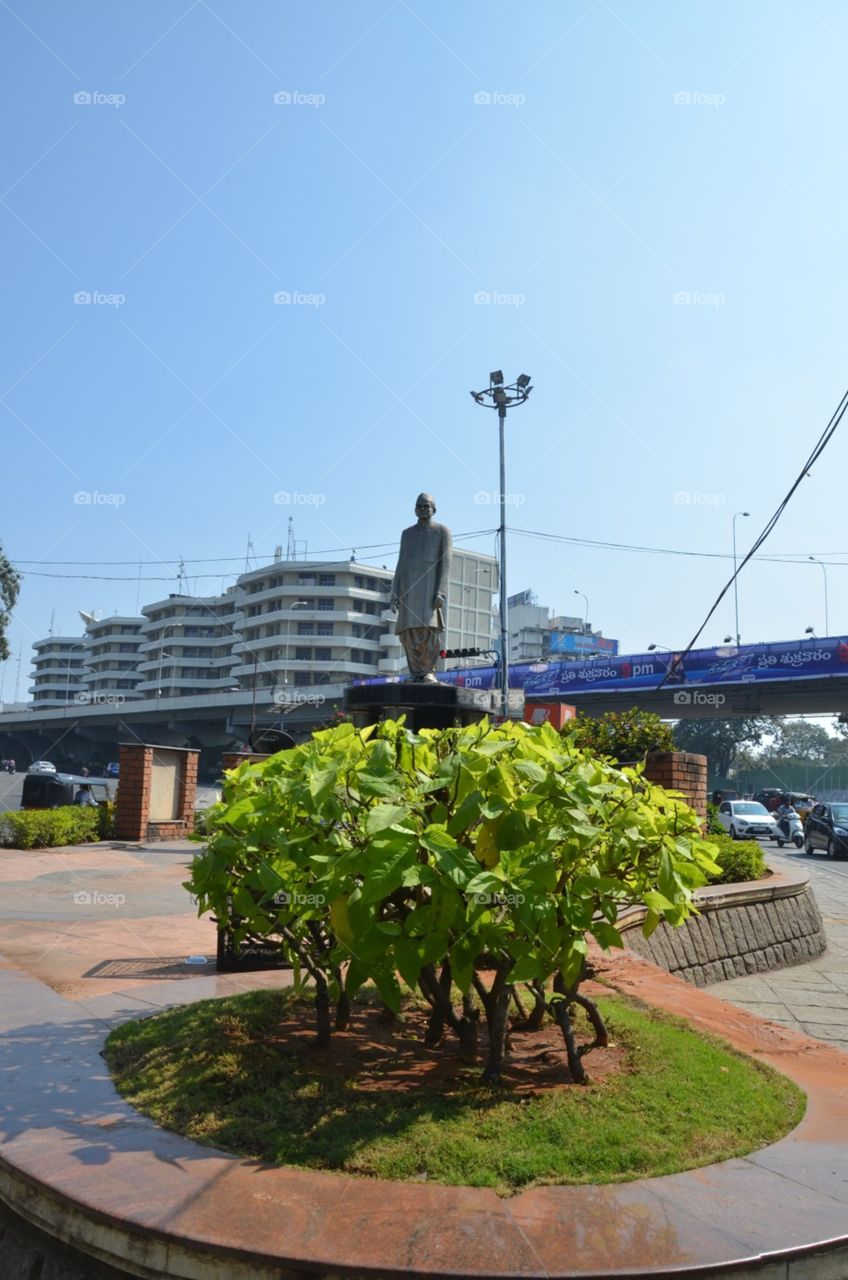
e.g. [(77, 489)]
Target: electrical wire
[(818, 449)]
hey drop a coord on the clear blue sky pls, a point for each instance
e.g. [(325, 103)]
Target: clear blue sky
[(584, 195)]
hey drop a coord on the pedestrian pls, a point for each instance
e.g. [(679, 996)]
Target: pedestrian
[(85, 798)]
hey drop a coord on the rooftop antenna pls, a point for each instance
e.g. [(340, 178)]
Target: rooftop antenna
[(249, 552), (278, 553), (182, 580), (290, 544), (52, 622)]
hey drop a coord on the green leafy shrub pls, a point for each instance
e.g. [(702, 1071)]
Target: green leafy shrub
[(371, 853), (714, 827), (106, 822), (738, 860), (48, 828), (622, 735), (199, 827)]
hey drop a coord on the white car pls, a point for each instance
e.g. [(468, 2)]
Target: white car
[(41, 766), (745, 818)]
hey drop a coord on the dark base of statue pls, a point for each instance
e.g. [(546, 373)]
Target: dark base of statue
[(425, 705)]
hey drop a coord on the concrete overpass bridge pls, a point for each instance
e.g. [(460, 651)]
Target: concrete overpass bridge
[(793, 677), (91, 730)]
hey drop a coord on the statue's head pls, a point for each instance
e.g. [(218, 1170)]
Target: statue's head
[(425, 506)]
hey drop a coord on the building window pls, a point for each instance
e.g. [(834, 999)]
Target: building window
[(371, 584), (324, 629), (306, 628), (326, 606), (323, 654), (326, 579), (302, 678), (302, 654), (358, 580)]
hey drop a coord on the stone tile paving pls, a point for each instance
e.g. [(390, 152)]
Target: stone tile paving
[(811, 997)]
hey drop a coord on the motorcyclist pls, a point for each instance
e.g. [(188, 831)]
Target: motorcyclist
[(786, 811)]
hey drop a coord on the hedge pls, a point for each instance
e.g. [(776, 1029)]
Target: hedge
[(740, 860), (46, 828)]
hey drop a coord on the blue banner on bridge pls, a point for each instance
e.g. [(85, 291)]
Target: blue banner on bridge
[(788, 660)]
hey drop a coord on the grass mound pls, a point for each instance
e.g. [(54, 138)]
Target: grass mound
[(240, 1074)]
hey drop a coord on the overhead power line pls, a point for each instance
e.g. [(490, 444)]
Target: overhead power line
[(818, 449)]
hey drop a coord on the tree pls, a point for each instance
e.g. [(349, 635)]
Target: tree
[(800, 740), (10, 582), (442, 857), (720, 740)]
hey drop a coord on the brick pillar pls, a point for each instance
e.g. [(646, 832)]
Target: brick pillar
[(132, 807), (681, 771), (188, 790)]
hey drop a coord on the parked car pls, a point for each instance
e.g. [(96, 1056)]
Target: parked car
[(745, 818), (827, 828), (41, 766), (112, 769), (52, 790)]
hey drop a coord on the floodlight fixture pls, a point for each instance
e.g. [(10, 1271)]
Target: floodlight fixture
[(500, 397)]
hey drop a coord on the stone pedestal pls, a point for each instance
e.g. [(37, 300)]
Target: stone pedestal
[(425, 706), (156, 792)]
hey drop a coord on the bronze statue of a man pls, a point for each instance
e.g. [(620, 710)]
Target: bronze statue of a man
[(420, 588)]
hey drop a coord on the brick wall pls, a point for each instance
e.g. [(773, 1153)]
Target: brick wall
[(681, 771), (132, 809)]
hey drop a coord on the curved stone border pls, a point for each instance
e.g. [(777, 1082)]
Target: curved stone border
[(742, 928), (81, 1165)]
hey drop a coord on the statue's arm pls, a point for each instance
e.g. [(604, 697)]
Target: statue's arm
[(444, 567), (394, 594)]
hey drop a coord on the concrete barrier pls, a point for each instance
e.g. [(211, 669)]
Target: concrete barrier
[(741, 929)]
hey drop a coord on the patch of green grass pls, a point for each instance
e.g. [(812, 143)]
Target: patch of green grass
[(207, 1070)]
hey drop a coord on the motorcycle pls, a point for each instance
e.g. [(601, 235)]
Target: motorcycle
[(790, 831)]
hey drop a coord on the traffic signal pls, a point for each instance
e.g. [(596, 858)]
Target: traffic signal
[(460, 653)]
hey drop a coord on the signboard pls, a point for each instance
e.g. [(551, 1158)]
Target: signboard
[(782, 660), (579, 642), (553, 713), (523, 597)]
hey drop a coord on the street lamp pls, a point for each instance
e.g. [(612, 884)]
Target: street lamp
[(735, 591), (824, 572), (727, 640), (500, 397), (652, 647), (586, 598)]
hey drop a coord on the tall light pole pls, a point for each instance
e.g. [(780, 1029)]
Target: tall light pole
[(735, 590), (824, 572), (500, 397), (586, 598)]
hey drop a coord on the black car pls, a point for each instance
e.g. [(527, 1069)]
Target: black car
[(827, 828)]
